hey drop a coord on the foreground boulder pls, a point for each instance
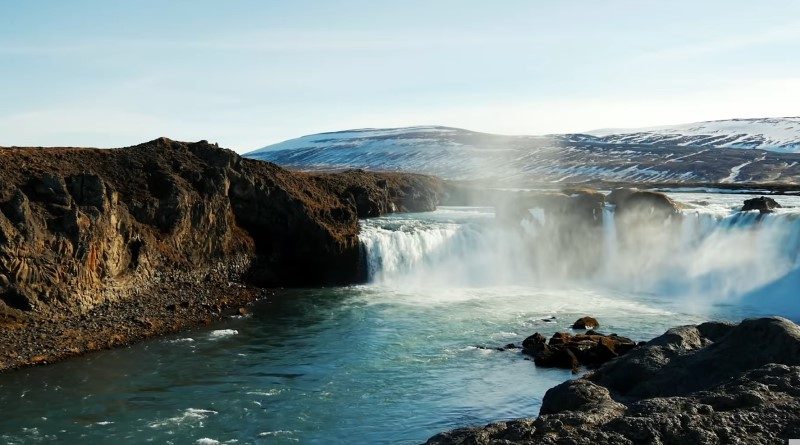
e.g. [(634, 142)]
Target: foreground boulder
[(710, 383), (763, 204), (572, 351)]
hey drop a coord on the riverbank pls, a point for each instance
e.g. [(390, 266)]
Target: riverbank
[(172, 304)]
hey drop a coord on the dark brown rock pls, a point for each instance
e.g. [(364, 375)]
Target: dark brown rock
[(586, 323), (534, 343), (586, 204), (640, 220), (572, 351), (644, 204), (374, 194), (619, 195), (556, 357)]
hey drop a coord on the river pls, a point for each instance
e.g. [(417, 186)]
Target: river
[(401, 358)]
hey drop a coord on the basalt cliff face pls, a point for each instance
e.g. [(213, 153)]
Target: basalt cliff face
[(145, 239)]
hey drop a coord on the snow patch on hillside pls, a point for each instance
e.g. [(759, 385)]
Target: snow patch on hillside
[(361, 137), (703, 152), (772, 134)]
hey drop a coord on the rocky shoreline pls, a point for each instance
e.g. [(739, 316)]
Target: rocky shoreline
[(175, 303), (103, 248), (710, 383)]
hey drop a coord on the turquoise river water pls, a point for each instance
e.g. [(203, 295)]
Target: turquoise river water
[(396, 360)]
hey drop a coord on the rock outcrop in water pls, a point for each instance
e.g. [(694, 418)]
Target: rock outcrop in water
[(710, 383), (642, 204), (573, 351), (148, 239), (571, 222), (763, 204), (586, 323)]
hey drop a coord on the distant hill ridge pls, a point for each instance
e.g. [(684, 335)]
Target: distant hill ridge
[(724, 151)]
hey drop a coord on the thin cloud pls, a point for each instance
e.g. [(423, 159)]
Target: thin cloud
[(786, 33), (281, 41)]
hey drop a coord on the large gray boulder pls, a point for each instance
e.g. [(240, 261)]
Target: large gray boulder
[(710, 383)]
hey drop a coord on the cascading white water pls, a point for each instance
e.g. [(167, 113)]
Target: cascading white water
[(400, 251), (710, 255), (610, 243), (446, 248)]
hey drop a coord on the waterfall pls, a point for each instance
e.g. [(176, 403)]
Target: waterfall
[(701, 256), (469, 251), (406, 248), (610, 242), (707, 256)]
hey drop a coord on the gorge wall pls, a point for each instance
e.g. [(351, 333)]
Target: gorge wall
[(165, 225)]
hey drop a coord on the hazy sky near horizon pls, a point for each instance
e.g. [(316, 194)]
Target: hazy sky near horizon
[(251, 73)]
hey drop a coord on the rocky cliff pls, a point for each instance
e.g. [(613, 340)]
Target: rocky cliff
[(710, 383), (85, 230)]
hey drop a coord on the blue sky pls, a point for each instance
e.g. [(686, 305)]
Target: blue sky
[(250, 73)]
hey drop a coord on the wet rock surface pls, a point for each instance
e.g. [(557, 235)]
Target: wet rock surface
[(568, 351), (105, 247), (586, 323), (709, 383)]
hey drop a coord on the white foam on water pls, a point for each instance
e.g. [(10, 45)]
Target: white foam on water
[(501, 335), (276, 433), (269, 393), (222, 333), (190, 416), (181, 340), (210, 441)]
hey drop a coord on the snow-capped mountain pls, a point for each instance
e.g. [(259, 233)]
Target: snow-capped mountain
[(780, 134), (665, 155)]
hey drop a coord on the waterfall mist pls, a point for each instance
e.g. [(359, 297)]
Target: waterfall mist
[(697, 257)]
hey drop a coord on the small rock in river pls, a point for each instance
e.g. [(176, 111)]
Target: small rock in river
[(586, 323)]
